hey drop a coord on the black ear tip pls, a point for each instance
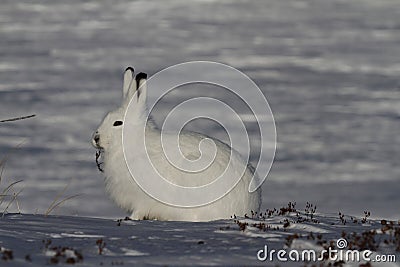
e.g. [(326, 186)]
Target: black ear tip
[(130, 68), (140, 76)]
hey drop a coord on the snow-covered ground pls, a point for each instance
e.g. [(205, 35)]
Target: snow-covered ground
[(36, 240)]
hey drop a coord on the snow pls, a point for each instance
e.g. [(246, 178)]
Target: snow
[(161, 243)]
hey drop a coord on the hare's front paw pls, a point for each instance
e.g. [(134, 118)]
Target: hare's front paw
[(134, 216)]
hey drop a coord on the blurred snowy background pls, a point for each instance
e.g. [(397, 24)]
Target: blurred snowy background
[(329, 69)]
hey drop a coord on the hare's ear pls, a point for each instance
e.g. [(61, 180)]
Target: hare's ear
[(129, 87), (141, 86)]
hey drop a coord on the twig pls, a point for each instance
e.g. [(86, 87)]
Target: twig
[(19, 118)]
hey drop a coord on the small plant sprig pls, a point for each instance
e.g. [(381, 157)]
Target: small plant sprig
[(290, 238), (286, 223), (393, 230), (310, 210), (46, 243), (291, 207), (7, 254), (355, 220), (367, 214), (59, 254), (100, 245), (341, 218)]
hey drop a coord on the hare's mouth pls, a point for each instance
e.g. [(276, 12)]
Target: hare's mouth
[(99, 159)]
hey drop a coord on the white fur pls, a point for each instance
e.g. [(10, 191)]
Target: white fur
[(123, 190)]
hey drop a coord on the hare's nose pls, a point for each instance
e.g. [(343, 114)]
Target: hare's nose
[(96, 139)]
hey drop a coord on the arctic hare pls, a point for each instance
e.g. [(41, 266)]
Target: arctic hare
[(128, 195)]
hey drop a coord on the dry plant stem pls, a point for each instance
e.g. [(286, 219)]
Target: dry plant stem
[(19, 118), (51, 208), (17, 202), (11, 201), (2, 164), (1, 175), (4, 159), (55, 204), (6, 190), (56, 199)]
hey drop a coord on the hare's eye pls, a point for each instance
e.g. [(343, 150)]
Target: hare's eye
[(117, 123)]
